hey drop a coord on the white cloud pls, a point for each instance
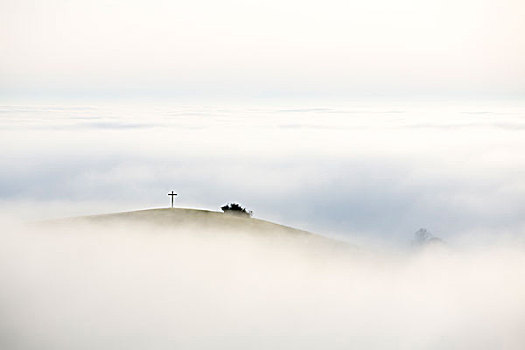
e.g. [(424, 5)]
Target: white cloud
[(93, 287), (381, 170)]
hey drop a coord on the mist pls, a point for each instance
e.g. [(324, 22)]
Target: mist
[(86, 286), (348, 125), (366, 173), (380, 169)]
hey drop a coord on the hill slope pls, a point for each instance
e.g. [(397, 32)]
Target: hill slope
[(203, 221)]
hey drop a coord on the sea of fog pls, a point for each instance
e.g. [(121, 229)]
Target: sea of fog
[(368, 173), (139, 287), (371, 169)]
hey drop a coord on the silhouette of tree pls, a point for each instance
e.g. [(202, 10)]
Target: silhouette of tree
[(423, 237), (236, 209)]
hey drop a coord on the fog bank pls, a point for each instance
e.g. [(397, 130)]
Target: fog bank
[(141, 287), (375, 168)]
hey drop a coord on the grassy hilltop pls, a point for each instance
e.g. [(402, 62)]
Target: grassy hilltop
[(192, 217), (197, 221)]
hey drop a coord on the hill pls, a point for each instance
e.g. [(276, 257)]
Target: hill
[(195, 221)]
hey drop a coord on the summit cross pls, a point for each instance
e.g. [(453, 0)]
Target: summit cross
[(172, 194)]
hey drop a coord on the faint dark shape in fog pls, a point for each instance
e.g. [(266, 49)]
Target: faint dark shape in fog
[(423, 237)]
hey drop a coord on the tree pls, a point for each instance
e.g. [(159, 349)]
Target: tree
[(423, 237), (236, 209)]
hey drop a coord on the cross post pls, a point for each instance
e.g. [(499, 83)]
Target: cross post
[(172, 194)]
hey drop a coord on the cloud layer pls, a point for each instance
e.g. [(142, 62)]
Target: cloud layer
[(136, 287), (381, 170)]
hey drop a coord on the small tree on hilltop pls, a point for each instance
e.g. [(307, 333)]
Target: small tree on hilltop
[(236, 209)]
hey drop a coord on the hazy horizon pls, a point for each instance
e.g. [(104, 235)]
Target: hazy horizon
[(357, 168)]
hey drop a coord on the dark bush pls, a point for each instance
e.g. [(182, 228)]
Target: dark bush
[(236, 209)]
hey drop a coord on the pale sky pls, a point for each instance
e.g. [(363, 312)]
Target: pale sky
[(461, 47)]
